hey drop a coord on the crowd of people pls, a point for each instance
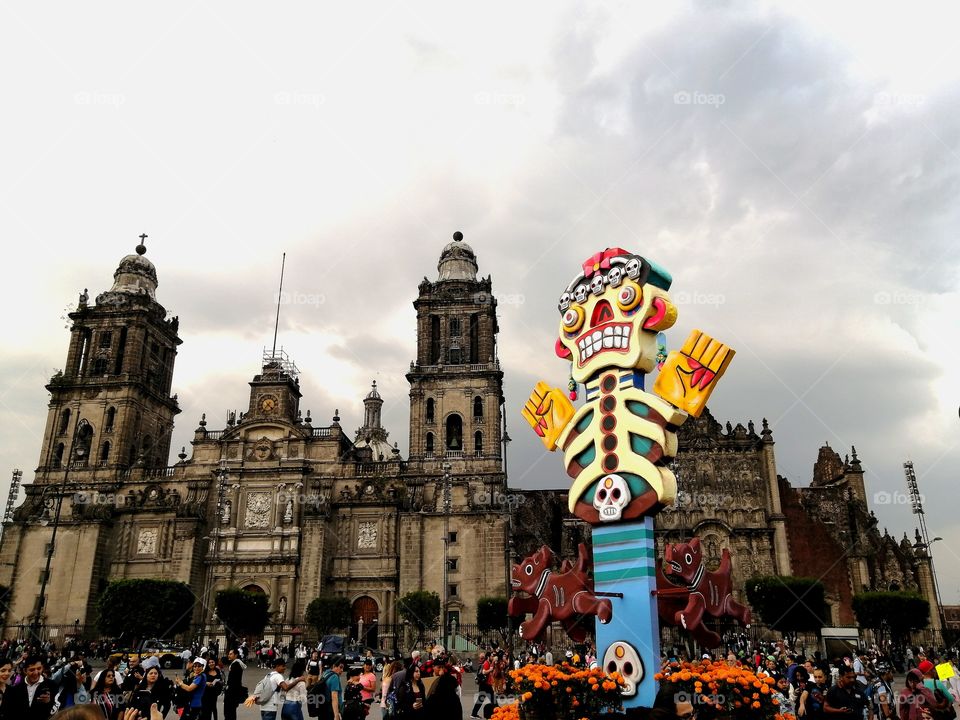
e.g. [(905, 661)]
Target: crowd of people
[(43, 681)]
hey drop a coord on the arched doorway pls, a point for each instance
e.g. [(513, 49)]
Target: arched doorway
[(366, 615)]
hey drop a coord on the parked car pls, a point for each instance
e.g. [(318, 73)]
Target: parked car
[(334, 645), (166, 651)]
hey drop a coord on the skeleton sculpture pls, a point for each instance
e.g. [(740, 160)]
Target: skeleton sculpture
[(617, 447)]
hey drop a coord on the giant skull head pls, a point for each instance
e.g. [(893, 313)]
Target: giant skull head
[(615, 325), (623, 658), (611, 497)]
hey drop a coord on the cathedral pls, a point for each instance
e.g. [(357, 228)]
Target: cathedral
[(273, 502), (276, 504)]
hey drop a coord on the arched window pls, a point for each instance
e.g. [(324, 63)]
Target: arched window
[(58, 456), (429, 443), (64, 421), (105, 453), (478, 443), (454, 433), (430, 410), (83, 442), (111, 417), (478, 408)]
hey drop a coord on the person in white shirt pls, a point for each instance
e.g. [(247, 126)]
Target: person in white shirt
[(548, 658), (271, 709)]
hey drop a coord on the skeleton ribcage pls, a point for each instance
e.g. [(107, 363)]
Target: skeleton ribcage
[(627, 432)]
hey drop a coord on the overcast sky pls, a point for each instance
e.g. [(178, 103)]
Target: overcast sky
[(795, 167)]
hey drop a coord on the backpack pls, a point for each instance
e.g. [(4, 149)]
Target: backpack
[(264, 690), (318, 698)]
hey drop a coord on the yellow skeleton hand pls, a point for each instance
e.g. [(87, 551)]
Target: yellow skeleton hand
[(689, 376), (548, 411)]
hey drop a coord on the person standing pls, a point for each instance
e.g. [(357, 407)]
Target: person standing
[(484, 689), (884, 701), (388, 701), (106, 693), (846, 698), (368, 681), (444, 702), (194, 689), (6, 670), (31, 699), (915, 701), (212, 690), (325, 698), (411, 696), (296, 693), (234, 693), (159, 687)]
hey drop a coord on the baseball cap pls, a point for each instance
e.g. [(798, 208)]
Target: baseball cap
[(569, 654), (199, 661)]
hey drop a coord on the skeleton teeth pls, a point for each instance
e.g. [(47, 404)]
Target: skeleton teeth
[(607, 341), (618, 330), (596, 336), (626, 332)]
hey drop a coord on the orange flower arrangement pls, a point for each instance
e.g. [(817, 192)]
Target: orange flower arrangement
[(726, 690), (561, 691)]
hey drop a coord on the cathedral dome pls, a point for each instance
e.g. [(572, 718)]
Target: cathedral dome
[(457, 261), (136, 275)]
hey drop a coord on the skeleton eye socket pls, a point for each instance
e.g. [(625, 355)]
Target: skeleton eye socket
[(602, 494), (628, 668), (616, 493), (629, 297), (573, 318), (528, 569), (688, 558), (611, 667)]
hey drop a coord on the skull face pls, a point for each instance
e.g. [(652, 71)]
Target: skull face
[(615, 276), (580, 293), (633, 268), (596, 285), (611, 497), (623, 658), (564, 301)]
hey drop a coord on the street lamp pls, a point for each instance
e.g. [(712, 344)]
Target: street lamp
[(42, 600)]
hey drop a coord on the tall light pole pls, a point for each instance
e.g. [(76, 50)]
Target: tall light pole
[(509, 544), (446, 563), (42, 600), (214, 537), (916, 506)]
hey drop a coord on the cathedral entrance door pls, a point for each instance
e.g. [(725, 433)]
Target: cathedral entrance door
[(366, 614)]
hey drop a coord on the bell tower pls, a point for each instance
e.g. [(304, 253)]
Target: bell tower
[(456, 385), (110, 406)]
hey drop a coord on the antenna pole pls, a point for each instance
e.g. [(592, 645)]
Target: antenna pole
[(276, 326)]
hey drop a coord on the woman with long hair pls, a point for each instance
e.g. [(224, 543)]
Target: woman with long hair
[(159, 687), (106, 693), (297, 694), (212, 690), (411, 697), (386, 709), (6, 670)]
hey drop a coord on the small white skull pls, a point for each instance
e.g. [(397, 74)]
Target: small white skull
[(611, 497), (564, 301), (623, 658), (633, 268), (615, 276), (596, 285), (580, 294)]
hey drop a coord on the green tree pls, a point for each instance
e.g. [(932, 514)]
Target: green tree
[(421, 609), (142, 609), (327, 613), (492, 614), (891, 615), (788, 605), (242, 612)]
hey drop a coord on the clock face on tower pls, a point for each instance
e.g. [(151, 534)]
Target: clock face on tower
[(268, 404)]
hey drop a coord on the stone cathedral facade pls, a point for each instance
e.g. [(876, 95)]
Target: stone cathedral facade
[(279, 503), (274, 502)]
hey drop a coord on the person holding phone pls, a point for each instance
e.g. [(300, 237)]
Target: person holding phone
[(411, 696), (154, 688)]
